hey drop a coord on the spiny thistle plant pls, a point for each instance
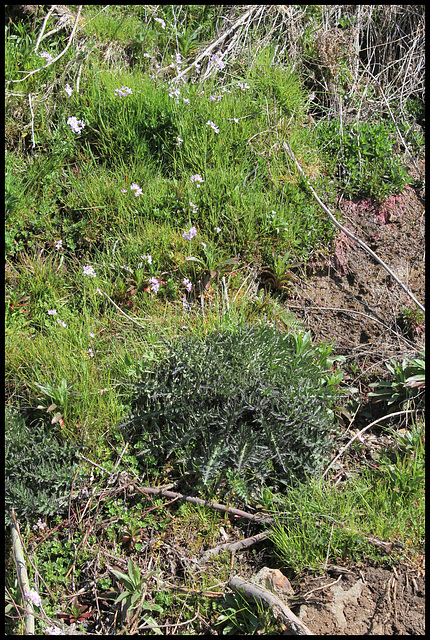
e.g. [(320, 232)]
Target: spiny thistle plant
[(242, 402), (39, 471)]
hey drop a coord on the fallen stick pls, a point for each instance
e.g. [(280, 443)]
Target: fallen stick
[(22, 577), (60, 54), (337, 224), (206, 503), (254, 592), (120, 310), (233, 546)]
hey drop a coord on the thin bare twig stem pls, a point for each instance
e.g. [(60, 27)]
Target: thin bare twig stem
[(360, 433), (177, 624), (121, 311), (22, 576), (395, 123), (59, 55), (79, 455), (324, 586), (348, 233), (329, 545), (32, 120), (218, 41), (215, 505), (44, 26), (351, 311), (233, 546)]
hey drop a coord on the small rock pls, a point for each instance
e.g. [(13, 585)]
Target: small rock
[(274, 580)]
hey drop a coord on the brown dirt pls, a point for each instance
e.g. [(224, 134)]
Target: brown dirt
[(366, 601), (351, 300)]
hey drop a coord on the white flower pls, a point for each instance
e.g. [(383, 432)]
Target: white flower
[(34, 597), (214, 127), (89, 271), (54, 631), (174, 92), (68, 89), (75, 124), (46, 55)]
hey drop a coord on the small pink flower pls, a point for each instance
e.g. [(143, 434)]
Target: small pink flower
[(188, 284), (197, 178), (191, 233), (155, 284), (34, 597)]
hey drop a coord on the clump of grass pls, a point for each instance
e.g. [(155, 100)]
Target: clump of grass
[(329, 523)]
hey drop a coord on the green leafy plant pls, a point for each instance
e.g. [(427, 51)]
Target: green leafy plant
[(131, 534), (239, 617), (407, 386), (39, 470), (411, 321), (135, 589), (239, 399), (278, 275), (366, 163), (78, 613), (57, 397), (406, 472)]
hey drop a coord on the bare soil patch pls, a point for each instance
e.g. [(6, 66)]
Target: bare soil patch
[(351, 300), (366, 600)]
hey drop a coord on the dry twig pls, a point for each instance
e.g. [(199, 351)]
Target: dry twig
[(342, 451), (218, 41), (233, 546), (120, 310), (23, 582), (215, 505)]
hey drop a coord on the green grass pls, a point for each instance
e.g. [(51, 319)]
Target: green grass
[(254, 219), (325, 523)]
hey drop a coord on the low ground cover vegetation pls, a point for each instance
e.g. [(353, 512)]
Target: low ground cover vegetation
[(154, 228)]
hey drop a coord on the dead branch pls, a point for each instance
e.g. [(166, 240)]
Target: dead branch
[(395, 124), (337, 224), (350, 312), (233, 546), (254, 592), (218, 41), (120, 310), (22, 576), (39, 38), (324, 586), (206, 503), (32, 121)]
